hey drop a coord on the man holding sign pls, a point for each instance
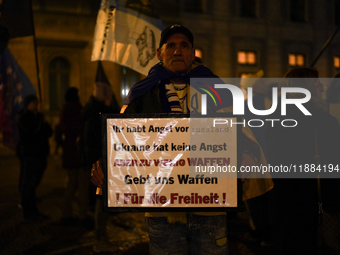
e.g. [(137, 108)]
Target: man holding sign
[(165, 90)]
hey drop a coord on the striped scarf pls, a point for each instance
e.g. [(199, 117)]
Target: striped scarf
[(177, 97)]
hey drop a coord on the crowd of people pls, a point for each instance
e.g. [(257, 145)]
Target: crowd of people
[(285, 211), (79, 135)]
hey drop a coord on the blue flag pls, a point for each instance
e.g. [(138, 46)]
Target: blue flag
[(14, 87)]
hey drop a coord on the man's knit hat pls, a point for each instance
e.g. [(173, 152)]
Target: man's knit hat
[(174, 29)]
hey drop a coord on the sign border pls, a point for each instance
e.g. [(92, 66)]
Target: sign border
[(106, 208)]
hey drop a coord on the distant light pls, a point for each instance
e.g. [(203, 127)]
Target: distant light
[(300, 60), (296, 59), (292, 59), (241, 57), (251, 57), (246, 57), (125, 92), (198, 53), (336, 61)]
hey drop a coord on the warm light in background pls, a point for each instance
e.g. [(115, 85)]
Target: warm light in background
[(198, 53), (241, 57), (251, 57), (336, 61), (296, 59), (300, 60), (292, 59), (246, 57)]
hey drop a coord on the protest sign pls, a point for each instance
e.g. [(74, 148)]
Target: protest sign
[(164, 163)]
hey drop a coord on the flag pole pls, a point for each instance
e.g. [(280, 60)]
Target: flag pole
[(35, 52), (325, 46), (125, 85)]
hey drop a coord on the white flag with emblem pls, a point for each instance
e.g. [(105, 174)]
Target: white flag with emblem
[(127, 32)]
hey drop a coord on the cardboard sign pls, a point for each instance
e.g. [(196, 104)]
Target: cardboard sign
[(170, 163)]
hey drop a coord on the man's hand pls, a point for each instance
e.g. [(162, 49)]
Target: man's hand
[(247, 160), (97, 175)]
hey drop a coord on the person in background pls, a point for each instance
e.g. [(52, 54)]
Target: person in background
[(293, 203), (333, 97), (33, 149), (257, 206), (72, 127), (102, 101), (58, 138), (333, 93), (259, 102)]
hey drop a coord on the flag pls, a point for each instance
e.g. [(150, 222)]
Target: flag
[(14, 87), (127, 32), (17, 18)]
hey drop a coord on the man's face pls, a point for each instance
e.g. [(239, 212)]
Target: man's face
[(177, 54)]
